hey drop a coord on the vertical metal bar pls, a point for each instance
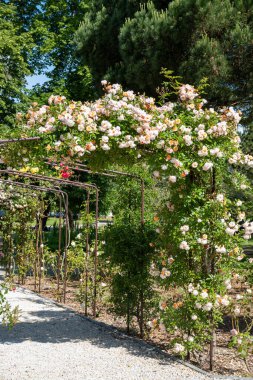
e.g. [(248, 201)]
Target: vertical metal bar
[(59, 246), (141, 291), (142, 202), (10, 249), (45, 189), (40, 263), (87, 251), (36, 254), (70, 183), (65, 251), (95, 260), (83, 168), (212, 349)]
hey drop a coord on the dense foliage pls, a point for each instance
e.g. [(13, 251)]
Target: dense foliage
[(130, 256), (192, 150), (193, 38), (15, 45)]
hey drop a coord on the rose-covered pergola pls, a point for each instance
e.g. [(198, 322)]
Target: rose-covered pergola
[(191, 148)]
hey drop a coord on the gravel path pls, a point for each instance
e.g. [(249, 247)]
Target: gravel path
[(52, 343)]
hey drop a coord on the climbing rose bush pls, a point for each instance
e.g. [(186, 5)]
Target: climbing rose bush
[(174, 138), (192, 149)]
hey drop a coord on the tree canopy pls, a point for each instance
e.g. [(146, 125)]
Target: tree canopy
[(77, 43), (134, 40), (15, 46)]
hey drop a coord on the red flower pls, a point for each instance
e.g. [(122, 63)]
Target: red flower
[(65, 175)]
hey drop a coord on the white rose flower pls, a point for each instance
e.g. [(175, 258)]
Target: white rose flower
[(230, 231), (172, 178), (105, 147), (187, 140), (184, 245), (225, 301), (208, 306), (233, 332), (207, 166), (165, 273), (204, 294), (220, 197), (105, 139), (220, 249), (184, 228), (156, 174), (178, 348)]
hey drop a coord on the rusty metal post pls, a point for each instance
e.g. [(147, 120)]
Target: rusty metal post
[(142, 201), (95, 259), (142, 222), (36, 256), (40, 250), (59, 246), (43, 189), (112, 173), (66, 250), (87, 251), (69, 183)]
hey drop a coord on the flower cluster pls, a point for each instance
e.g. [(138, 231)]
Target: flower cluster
[(134, 123)]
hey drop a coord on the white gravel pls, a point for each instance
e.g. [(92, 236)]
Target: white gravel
[(51, 343)]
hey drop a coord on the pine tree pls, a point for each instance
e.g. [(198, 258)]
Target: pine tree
[(131, 41), (97, 38)]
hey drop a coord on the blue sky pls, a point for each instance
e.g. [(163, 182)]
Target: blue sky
[(32, 80)]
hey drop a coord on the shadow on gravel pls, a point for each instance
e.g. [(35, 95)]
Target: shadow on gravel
[(60, 326)]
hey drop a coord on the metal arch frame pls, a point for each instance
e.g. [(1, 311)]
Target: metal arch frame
[(36, 138), (75, 184), (107, 173), (9, 141), (63, 194), (113, 173)]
